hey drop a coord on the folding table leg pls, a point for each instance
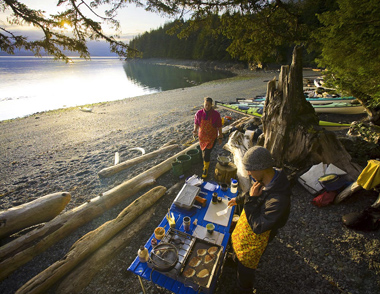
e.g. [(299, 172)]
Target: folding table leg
[(142, 286)]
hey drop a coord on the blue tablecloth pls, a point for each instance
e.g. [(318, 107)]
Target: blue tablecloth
[(160, 279)]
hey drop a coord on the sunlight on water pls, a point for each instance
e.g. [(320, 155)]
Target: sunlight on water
[(31, 85)]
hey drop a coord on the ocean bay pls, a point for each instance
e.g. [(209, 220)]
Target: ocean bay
[(29, 85)]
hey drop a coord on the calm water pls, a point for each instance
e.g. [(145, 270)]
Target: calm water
[(29, 85)]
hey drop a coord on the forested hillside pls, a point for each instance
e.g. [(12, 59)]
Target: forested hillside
[(200, 44)]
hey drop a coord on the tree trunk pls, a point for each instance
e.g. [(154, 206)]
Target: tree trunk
[(109, 171), (290, 125), (35, 212), (23, 249), (91, 242)]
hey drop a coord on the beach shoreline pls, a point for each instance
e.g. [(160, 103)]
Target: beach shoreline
[(64, 150)]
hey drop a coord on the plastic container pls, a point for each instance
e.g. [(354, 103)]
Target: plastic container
[(234, 186), (332, 182), (194, 154), (143, 254), (185, 160), (159, 233), (177, 168)]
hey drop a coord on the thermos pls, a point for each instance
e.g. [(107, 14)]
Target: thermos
[(143, 254)]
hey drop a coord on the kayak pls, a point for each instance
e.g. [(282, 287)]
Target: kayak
[(312, 100), (258, 111), (339, 108)]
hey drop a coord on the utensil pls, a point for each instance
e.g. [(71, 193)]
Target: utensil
[(222, 212)]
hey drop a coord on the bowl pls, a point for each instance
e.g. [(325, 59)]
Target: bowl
[(159, 233), (224, 187)]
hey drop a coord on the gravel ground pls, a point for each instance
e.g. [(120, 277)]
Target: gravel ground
[(64, 150)]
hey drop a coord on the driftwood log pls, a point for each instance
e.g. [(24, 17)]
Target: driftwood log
[(34, 212), (109, 171), (90, 242), (348, 191), (236, 147), (82, 275), (290, 125), (18, 252)]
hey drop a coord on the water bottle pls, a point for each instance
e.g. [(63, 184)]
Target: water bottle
[(143, 254), (234, 186)]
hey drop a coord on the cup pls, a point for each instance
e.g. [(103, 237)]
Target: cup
[(186, 223), (210, 228), (224, 187), (214, 197)]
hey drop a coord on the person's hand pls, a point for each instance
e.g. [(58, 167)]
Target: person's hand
[(256, 189), (195, 133), (232, 202)]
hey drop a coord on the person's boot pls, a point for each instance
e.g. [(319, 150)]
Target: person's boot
[(205, 169)]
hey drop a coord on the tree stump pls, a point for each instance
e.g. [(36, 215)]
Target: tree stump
[(290, 125), (224, 173)]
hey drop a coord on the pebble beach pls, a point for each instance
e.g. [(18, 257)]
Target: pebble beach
[(63, 150)]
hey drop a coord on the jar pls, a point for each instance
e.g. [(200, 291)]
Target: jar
[(234, 186)]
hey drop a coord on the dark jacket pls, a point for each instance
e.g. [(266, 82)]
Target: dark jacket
[(270, 210)]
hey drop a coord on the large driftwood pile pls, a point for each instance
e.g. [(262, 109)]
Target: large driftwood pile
[(21, 250), (90, 242)]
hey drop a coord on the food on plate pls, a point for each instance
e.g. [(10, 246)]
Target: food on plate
[(209, 258), (212, 250), (195, 261), (203, 273), (201, 252), (189, 272)]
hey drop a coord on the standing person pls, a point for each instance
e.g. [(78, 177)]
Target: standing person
[(208, 127), (266, 209)]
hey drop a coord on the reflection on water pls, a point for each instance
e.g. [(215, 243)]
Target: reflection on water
[(29, 85), (163, 77)]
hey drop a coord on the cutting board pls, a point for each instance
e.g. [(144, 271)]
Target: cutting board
[(212, 209)]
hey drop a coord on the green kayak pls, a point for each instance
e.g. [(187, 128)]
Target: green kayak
[(257, 112)]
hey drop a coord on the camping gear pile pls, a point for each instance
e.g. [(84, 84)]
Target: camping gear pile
[(329, 184)]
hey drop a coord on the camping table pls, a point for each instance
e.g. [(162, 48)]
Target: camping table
[(142, 269)]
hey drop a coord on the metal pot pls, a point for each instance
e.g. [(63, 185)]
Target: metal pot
[(223, 160), (163, 257)]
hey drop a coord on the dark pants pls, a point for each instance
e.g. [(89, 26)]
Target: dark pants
[(245, 278), (206, 154)]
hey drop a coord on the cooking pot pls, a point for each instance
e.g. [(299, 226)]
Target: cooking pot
[(163, 257), (223, 160)]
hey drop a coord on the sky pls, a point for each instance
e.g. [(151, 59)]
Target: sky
[(133, 20)]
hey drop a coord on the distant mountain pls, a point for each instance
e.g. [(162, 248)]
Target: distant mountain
[(96, 49)]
